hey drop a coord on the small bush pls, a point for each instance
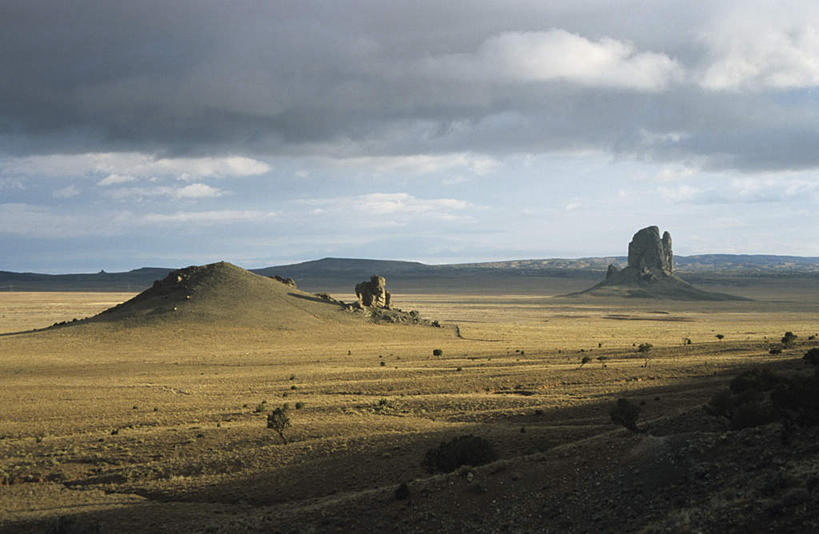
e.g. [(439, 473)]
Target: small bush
[(719, 336), (299, 405), (402, 492), (789, 340), (645, 347), (262, 406), (437, 352), (750, 414), (383, 363), (463, 450), (798, 400), (585, 360), (755, 380), (625, 413), (278, 421), (775, 350), (812, 357)]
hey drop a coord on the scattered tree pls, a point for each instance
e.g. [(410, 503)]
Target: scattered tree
[(278, 420), (719, 336), (645, 347), (789, 340), (584, 361), (437, 352), (812, 357), (463, 450)]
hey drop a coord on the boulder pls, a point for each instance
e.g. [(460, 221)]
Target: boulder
[(611, 271), (286, 281), (373, 293)]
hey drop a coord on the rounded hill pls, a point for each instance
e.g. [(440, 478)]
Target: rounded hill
[(224, 294)]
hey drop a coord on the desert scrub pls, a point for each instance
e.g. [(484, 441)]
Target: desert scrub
[(278, 421), (463, 450), (624, 412), (437, 352), (645, 347)]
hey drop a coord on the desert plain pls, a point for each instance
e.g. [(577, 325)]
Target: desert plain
[(161, 426)]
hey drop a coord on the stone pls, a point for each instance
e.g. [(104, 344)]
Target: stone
[(611, 271), (373, 293), (649, 253), (286, 281)]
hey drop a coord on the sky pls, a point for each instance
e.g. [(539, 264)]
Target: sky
[(155, 133)]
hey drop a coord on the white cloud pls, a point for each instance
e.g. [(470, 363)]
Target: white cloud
[(197, 191), (116, 166), (393, 209), (206, 217), (66, 192), (680, 193), (571, 206), (558, 55), (422, 163), (763, 45), (33, 221), (192, 191), (116, 179)]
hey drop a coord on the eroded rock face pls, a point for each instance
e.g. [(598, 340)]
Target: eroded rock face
[(373, 293), (286, 281), (649, 253), (612, 270)]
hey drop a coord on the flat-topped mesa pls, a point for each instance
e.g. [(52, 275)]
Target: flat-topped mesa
[(373, 293), (649, 253)]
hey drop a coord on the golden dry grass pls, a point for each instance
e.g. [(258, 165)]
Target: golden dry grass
[(103, 417)]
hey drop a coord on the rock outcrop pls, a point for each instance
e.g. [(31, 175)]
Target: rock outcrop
[(650, 272), (648, 252), (373, 293), (286, 281)]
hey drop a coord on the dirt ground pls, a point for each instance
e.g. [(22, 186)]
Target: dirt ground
[(154, 429)]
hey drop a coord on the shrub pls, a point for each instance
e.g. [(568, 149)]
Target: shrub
[(463, 450), (789, 340), (645, 347), (754, 380), (686, 341), (584, 361), (719, 336), (437, 352), (383, 363), (624, 412), (402, 492), (812, 357), (261, 407), (798, 399), (279, 421), (299, 405), (775, 350), (749, 414)]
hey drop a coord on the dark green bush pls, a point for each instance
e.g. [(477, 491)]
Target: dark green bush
[(789, 340), (437, 352), (645, 347), (299, 405), (624, 412), (755, 379), (463, 450), (812, 357), (278, 421)]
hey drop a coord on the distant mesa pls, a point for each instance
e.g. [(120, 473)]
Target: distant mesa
[(650, 273)]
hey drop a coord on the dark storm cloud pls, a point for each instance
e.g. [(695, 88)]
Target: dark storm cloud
[(379, 78)]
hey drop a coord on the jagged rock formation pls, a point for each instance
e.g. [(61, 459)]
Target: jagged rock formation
[(647, 252), (650, 272), (286, 281), (373, 293)]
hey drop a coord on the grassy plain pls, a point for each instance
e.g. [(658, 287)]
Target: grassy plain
[(163, 429)]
